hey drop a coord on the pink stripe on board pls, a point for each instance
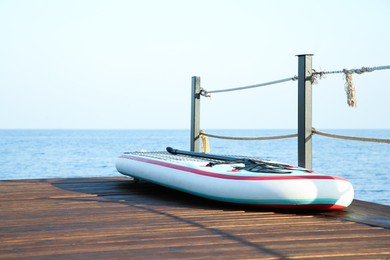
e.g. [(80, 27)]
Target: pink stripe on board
[(226, 176)]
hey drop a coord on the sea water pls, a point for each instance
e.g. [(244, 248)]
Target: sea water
[(36, 154)]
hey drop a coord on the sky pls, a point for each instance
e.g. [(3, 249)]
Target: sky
[(111, 64)]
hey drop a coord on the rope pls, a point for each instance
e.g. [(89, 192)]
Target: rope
[(349, 86), (358, 71), (205, 142), (249, 138), (350, 89), (314, 131), (353, 138), (206, 93)]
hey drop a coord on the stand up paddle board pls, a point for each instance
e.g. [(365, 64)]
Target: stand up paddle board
[(238, 179)]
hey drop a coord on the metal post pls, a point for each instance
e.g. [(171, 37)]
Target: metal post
[(195, 114), (305, 111)]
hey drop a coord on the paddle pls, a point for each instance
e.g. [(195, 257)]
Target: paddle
[(206, 155), (250, 164)]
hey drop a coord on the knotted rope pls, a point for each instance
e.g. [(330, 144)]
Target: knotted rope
[(350, 89), (349, 85)]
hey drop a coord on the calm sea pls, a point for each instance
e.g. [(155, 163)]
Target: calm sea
[(28, 154)]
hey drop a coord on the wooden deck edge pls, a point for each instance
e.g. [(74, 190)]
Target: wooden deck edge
[(364, 212)]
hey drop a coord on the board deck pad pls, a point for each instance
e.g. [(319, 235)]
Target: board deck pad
[(163, 155)]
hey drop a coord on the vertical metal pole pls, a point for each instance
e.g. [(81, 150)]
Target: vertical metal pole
[(305, 111), (195, 114)]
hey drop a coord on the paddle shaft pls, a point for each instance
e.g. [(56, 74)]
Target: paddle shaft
[(207, 156)]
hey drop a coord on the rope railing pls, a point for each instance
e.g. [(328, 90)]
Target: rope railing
[(352, 138), (307, 77), (358, 71), (207, 93), (242, 138), (316, 75), (314, 131), (349, 85)]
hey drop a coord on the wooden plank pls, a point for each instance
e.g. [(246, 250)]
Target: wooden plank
[(113, 218)]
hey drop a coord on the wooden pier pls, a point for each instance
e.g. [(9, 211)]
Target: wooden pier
[(113, 218)]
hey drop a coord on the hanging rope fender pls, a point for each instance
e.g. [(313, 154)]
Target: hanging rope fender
[(350, 89)]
